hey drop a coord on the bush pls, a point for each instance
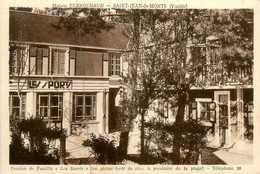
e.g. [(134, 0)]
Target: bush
[(103, 149), (159, 140), (193, 141), (39, 136)]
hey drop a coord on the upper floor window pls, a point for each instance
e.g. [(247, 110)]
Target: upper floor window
[(42, 63), (114, 64), (39, 60), (17, 60), (58, 61), (17, 105)]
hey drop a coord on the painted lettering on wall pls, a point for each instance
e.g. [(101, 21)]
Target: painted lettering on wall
[(49, 84)]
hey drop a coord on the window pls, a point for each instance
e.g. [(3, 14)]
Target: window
[(203, 109), (223, 111), (193, 110), (42, 64), (163, 108), (207, 111), (84, 107), (114, 64), (58, 61), (17, 60), (50, 106), (17, 106), (248, 107), (39, 60)]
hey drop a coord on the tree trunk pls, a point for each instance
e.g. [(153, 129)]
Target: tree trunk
[(62, 148), (123, 144), (176, 158), (31, 145), (142, 136)]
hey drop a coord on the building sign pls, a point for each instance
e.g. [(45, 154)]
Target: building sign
[(49, 84)]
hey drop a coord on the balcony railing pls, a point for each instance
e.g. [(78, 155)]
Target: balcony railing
[(216, 75)]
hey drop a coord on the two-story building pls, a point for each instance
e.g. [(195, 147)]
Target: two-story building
[(70, 80), (225, 103)]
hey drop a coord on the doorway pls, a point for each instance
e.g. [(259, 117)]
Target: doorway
[(222, 99)]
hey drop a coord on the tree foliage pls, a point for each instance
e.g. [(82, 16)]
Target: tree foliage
[(83, 21), (183, 45)]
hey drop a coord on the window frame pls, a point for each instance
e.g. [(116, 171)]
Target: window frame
[(114, 63), (84, 106), (42, 53), (22, 104), (209, 110), (51, 64), (49, 106), (249, 113), (163, 108), (19, 64), (41, 59)]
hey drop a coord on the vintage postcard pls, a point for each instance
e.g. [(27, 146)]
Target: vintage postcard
[(129, 86)]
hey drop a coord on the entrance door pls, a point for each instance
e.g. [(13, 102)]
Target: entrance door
[(223, 98)]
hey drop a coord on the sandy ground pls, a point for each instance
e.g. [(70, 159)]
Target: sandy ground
[(241, 153)]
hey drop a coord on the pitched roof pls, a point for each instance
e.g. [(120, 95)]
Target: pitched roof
[(30, 27)]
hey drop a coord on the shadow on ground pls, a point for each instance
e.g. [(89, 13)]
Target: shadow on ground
[(81, 161), (208, 157)]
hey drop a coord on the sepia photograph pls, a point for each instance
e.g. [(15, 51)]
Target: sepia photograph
[(129, 87)]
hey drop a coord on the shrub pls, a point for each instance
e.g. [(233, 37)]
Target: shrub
[(160, 140), (193, 141), (39, 135), (103, 149)]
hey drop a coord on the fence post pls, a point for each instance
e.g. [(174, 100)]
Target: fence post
[(199, 158), (62, 148)]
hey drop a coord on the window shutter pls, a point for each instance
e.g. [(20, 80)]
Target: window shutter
[(109, 64), (45, 61), (55, 62), (33, 51), (193, 110), (61, 61), (72, 54), (45, 52), (105, 64), (72, 62), (39, 61), (33, 60)]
